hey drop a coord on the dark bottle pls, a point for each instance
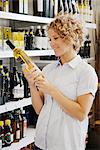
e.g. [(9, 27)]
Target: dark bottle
[(74, 10), (8, 132), (65, 6), (26, 87), (2, 142), (1, 5), (46, 11), (6, 83), (69, 6), (30, 36), (87, 48), (38, 38), (26, 40), (40, 7), (24, 123), (1, 83), (16, 6), (18, 90), (17, 132), (10, 117), (44, 38), (18, 112)]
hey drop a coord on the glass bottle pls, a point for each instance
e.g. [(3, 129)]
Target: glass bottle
[(8, 132), (2, 142), (23, 58), (38, 38)]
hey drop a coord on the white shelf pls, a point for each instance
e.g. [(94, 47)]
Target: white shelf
[(21, 17), (23, 142), (9, 53), (14, 105), (29, 18)]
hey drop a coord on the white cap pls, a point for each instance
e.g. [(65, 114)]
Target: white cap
[(38, 27), (44, 27)]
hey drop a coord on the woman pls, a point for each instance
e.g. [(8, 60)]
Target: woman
[(64, 96)]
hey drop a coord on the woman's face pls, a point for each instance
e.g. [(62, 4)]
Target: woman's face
[(58, 44)]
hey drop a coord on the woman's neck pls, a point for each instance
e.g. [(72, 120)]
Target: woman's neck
[(67, 57)]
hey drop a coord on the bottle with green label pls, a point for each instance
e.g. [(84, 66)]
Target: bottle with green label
[(8, 132), (2, 142)]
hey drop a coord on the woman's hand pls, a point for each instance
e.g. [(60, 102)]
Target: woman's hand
[(44, 85), (30, 75)]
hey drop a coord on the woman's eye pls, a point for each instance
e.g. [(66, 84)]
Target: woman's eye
[(49, 39), (55, 38)]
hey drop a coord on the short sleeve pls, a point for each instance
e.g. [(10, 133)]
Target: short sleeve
[(88, 82)]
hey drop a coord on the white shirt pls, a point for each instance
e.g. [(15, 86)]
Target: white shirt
[(55, 129)]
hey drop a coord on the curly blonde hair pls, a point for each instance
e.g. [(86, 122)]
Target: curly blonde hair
[(69, 27)]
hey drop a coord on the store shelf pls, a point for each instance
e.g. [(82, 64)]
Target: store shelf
[(21, 17), (14, 105), (9, 53), (23, 142), (29, 18)]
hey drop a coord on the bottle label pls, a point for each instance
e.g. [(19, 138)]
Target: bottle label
[(25, 128), (0, 143), (12, 138), (18, 91), (17, 134), (20, 6), (40, 5), (25, 6), (38, 42), (44, 43), (8, 138)]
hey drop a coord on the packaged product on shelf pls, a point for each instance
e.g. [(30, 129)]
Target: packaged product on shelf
[(8, 132), (40, 7), (21, 6), (26, 43), (6, 36), (15, 37), (31, 38), (1, 84), (51, 9), (38, 38), (17, 131), (1, 5), (2, 142), (25, 6), (30, 7), (44, 38), (21, 38), (1, 41), (6, 5)]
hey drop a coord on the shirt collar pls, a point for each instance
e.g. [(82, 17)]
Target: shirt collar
[(73, 63)]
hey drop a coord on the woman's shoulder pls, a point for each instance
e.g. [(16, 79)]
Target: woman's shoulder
[(50, 66), (86, 69)]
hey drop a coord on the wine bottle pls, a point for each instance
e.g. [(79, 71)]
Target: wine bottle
[(40, 7), (1, 83), (1, 5), (44, 38), (23, 58), (38, 38)]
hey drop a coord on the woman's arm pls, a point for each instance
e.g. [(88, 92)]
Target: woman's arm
[(78, 109), (36, 95), (37, 99)]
